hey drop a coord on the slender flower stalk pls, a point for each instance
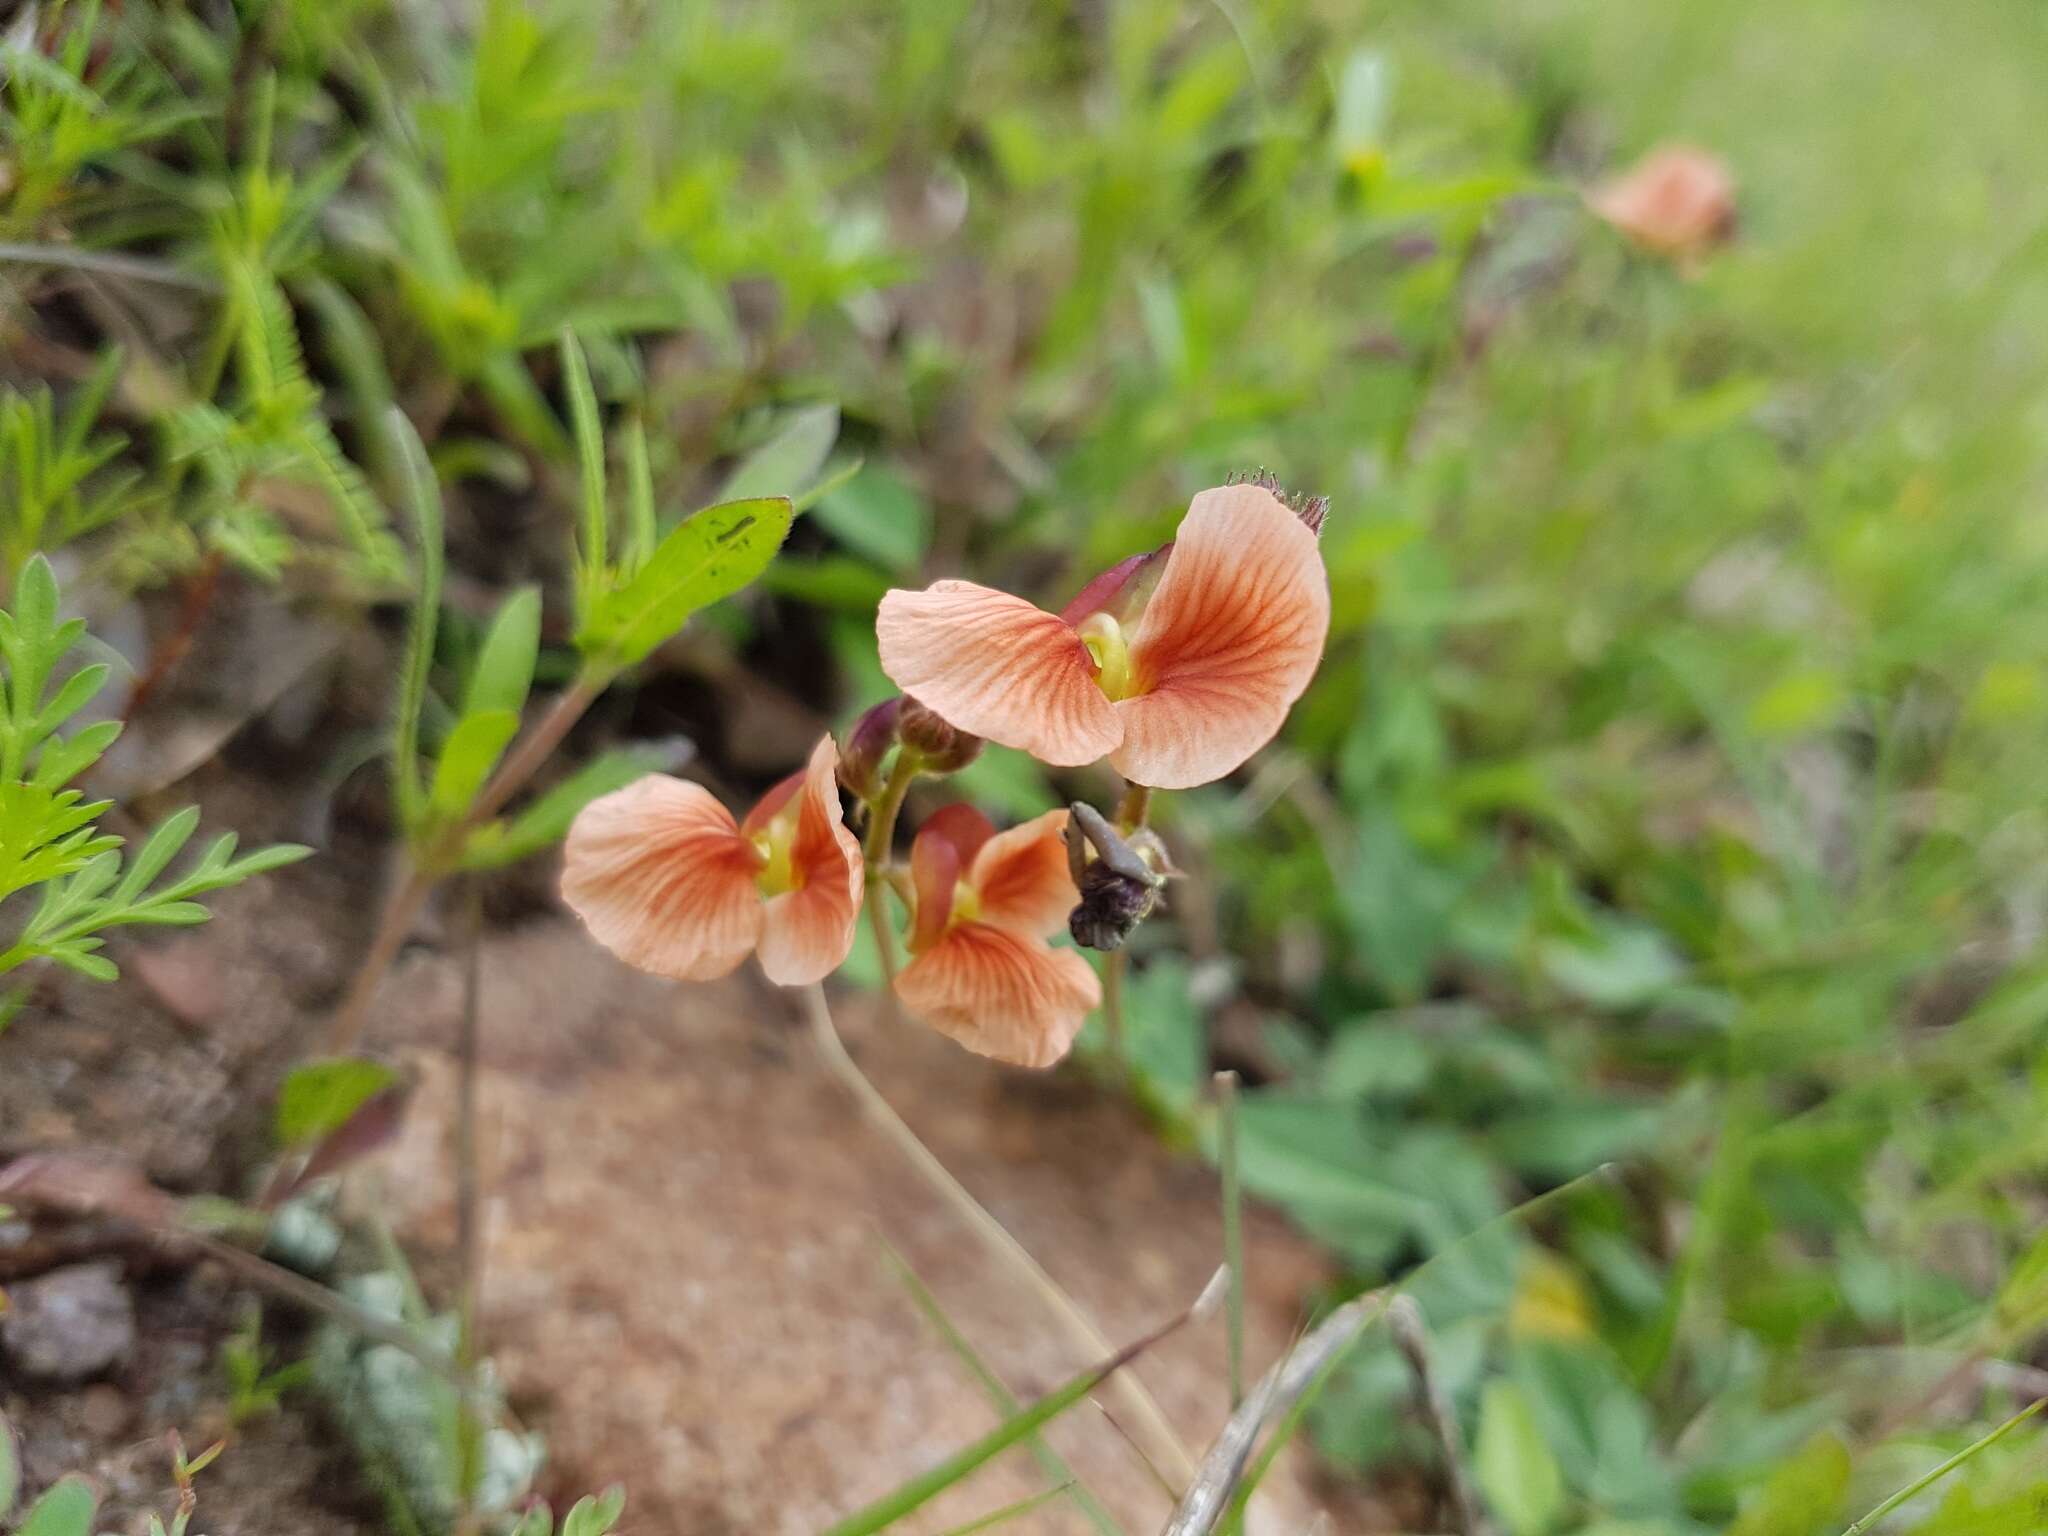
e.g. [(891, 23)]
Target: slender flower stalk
[(1162, 1446), (880, 847), (1131, 812)]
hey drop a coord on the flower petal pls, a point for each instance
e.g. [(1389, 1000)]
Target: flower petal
[(993, 665), (1022, 880), (1001, 994), (806, 933), (661, 877), (944, 846), (1228, 642)]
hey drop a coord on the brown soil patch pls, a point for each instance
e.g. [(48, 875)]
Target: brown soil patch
[(685, 1282)]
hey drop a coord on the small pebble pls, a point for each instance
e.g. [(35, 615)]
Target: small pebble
[(71, 1324)]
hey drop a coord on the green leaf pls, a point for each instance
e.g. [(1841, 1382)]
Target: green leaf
[(77, 691), (161, 847), (594, 525), (788, 461), (875, 514), (543, 823), (707, 557), (320, 1096), (470, 753), (505, 661), (1514, 1465), (1801, 1493), (66, 1510), (595, 1516), (424, 493)]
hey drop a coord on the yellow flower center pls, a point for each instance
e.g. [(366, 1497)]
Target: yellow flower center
[(966, 905), (1104, 638), (778, 873)]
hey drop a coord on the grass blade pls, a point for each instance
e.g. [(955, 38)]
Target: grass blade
[(1006, 1514), (1005, 1401), (424, 493), (1934, 1476), (921, 1490)]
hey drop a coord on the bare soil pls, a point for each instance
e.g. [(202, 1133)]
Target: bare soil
[(685, 1288)]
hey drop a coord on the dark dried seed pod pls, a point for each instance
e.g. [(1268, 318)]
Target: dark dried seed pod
[(1112, 905)]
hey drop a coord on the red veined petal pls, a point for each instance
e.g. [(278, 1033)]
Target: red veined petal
[(995, 666), (1228, 642), (1021, 879), (806, 933), (1001, 993), (662, 878)]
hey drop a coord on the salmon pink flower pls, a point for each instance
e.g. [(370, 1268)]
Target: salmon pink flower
[(1677, 201), (666, 880), (1216, 655), (982, 971)]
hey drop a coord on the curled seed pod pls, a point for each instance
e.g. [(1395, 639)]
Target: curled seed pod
[(940, 748)]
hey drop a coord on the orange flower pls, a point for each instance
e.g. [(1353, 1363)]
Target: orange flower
[(664, 879), (1677, 201), (982, 971), (1227, 641)]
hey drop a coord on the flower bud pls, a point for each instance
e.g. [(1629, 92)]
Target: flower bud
[(867, 745), (940, 748)]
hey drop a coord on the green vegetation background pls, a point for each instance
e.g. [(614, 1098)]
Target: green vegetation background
[(1670, 795)]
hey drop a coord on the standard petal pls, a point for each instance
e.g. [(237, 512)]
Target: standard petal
[(661, 877), (993, 665), (1228, 642), (806, 933), (1001, 993), (1021, 880)]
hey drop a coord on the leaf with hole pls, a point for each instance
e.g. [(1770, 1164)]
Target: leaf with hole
[(705, 558)]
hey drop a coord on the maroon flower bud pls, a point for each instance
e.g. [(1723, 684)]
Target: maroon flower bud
[(867, 745), (940, 748)]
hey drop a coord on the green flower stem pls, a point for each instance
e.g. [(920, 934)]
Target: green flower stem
[(1131, 812), (878, 851)]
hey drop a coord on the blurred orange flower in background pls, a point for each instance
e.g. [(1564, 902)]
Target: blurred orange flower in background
[(1678, 201), (982, 971), (1225, 642), (666, 880)]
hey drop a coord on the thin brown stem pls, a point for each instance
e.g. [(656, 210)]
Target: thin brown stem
[(402, 908), (534, 747), (173, 648), (1411, 1337), (1166, 1451)]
